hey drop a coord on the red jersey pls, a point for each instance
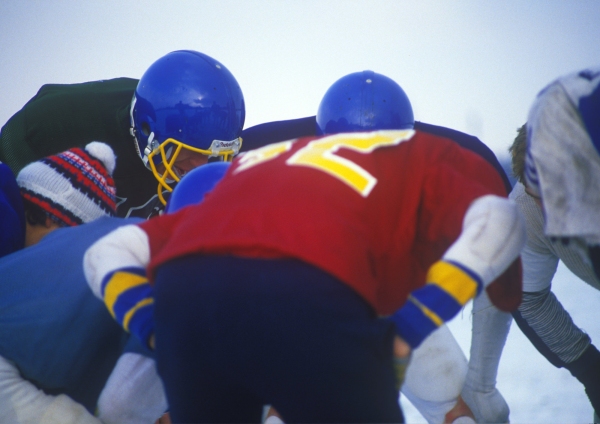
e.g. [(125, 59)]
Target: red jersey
[(375, 210)]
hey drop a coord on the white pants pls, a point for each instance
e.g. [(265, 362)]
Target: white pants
[(23, 403), (436, 375), (133, 394)]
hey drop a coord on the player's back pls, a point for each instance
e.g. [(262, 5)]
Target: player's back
[(370, 208), (276, 131)]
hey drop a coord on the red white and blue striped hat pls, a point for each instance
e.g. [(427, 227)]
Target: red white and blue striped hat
[(73, 187)]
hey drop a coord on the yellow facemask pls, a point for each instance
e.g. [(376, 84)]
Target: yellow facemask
[(169, 150)]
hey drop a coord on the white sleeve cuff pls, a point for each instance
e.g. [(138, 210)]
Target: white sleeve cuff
[(127, 246)]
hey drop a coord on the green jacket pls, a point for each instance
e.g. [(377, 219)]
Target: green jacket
[(62, 116)]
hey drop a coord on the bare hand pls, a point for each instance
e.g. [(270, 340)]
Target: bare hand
[(272, 412), (402, 354), (460, 410), (401, 348), (165, 419)]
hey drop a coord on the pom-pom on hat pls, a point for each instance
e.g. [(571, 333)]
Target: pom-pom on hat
[(73, 187)]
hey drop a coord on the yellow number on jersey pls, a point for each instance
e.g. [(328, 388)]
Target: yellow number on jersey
[(321, 154), (262, 154)]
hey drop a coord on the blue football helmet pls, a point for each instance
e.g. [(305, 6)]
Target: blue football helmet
[(364, 101), (195, 185), (186, 100)]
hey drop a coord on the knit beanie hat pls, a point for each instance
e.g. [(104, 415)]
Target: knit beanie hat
[(73, 187)]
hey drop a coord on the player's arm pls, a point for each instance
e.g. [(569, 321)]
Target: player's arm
[(491, 326), (488, 336), (133, 392), (542, 317), (22, 402), (492, 236), (115, 268)]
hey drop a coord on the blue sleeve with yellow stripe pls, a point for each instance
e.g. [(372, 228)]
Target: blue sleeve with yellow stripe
[(449, 287), (129, 298)]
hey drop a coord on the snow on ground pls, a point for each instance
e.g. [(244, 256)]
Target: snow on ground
[(536, 391)]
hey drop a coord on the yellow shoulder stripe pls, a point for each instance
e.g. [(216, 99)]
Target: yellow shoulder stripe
[(453, 281), (120, 282)]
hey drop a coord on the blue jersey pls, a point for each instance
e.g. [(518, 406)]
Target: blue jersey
[(59, 335), (273, 132), (12, 215)]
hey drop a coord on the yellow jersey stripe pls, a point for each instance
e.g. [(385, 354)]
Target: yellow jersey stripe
[(453, 281), (132, 311), (120, 282), (427, 312)]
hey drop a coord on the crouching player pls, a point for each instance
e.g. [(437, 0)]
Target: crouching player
[(438, 371), (269, 292), (562, 175)]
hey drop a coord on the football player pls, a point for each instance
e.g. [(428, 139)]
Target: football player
[(272, 290), (186, 108), (354, 104)]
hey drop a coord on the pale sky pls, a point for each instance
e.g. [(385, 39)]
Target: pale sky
[(474, 66)]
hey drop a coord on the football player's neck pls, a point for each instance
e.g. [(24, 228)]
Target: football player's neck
[(35, 233)]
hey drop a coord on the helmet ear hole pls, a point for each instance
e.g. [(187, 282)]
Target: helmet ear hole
[(146, 129)]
